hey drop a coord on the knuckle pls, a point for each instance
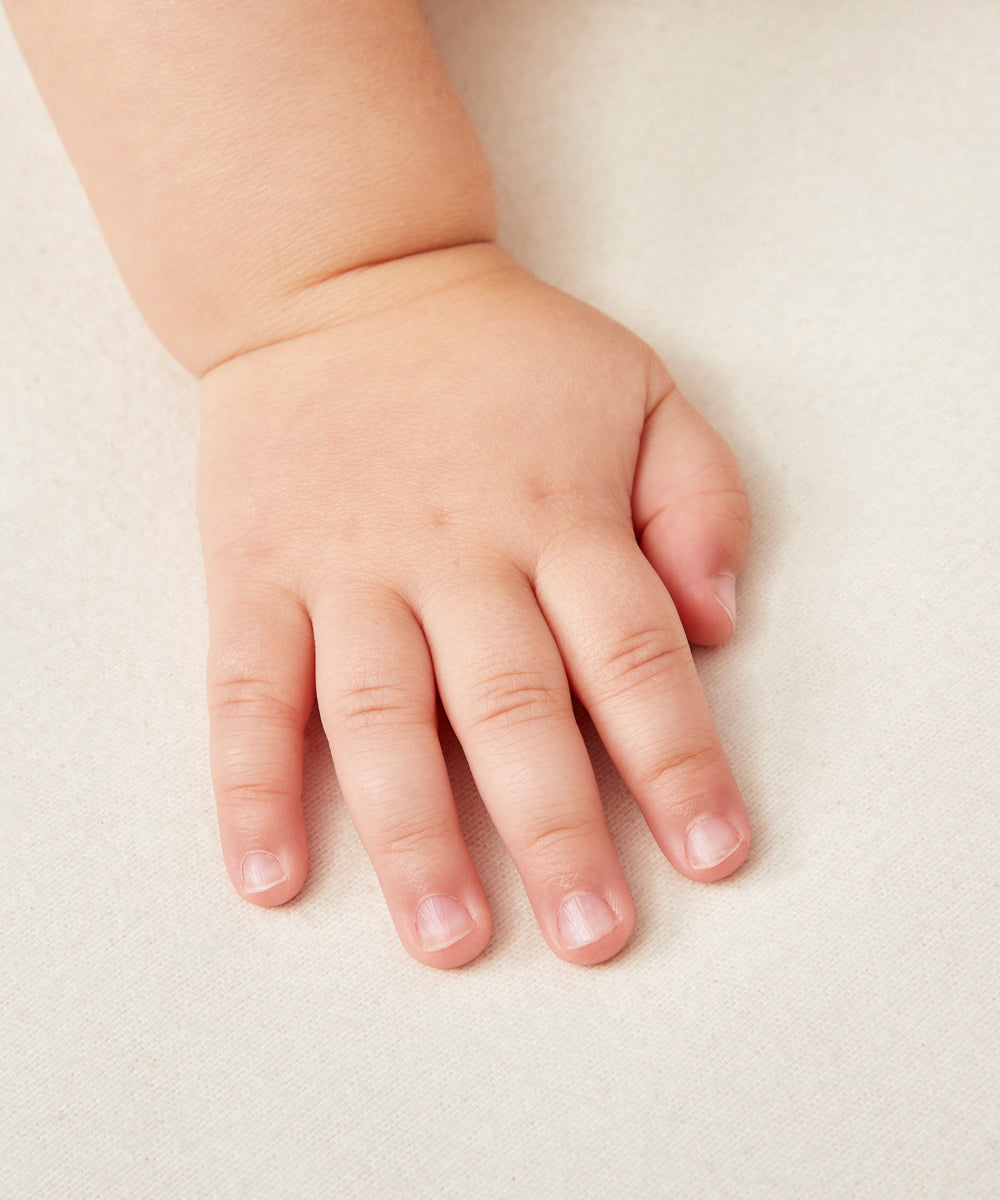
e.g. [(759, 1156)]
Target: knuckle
[(557, 839), (688, 761), (403, 840), (732, 506), (253, 767), (373, 705), (253, 698), (723, 494), (237, 789), (640, 658), (253, 555), (512, 698)]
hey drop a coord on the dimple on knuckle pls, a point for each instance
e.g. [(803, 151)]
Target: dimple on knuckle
[(640, 658), (256, 556)]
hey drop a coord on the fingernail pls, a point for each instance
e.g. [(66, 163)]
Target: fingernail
[(725, 593), (261, 871), (584, 918), (711, 841), (441, 921)]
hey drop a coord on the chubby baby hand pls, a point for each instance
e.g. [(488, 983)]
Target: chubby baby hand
[(465, 484)]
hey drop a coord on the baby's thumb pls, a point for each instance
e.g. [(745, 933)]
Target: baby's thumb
[(692, 517)]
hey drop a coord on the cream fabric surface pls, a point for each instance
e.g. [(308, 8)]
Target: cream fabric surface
[(798, 205)]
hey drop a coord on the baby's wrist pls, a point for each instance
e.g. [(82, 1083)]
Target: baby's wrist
[(355, 297)]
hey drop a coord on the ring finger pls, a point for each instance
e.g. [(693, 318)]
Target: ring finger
[(377, 700)]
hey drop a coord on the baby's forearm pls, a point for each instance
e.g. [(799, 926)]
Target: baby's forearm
[(242, 157)]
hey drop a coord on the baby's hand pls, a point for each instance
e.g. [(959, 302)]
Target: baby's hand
[(443, 494)]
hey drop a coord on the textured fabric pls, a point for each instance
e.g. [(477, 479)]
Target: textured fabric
[(797, 204)]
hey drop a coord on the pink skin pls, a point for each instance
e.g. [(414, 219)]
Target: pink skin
[(443, 495)]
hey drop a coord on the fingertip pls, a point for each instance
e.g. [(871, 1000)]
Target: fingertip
[(592, 927), (260, 694), (724, 587), (706, 607), (262, 872), (446, 931), (268, 878), (262, 827), (715, 847), (692, 515)]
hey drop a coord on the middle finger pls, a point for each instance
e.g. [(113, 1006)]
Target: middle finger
[(504, 689)]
